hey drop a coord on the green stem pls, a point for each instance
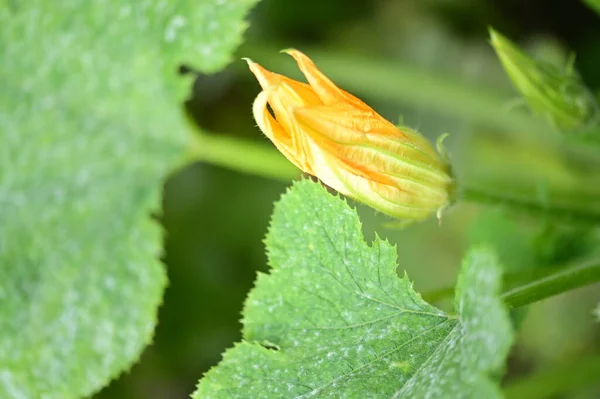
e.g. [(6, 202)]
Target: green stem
[(242, 155), (556, 283), (565, 211), (557, 381)]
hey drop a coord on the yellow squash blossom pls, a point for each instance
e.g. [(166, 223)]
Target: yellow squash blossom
[(328, 133)]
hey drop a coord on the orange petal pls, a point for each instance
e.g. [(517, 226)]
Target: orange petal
[(382, 196), (284, 93), (357, 127), (287, 95), (270, 127), (331, 119), (389, 153), (300, 92), (325, 88), (265, 78)]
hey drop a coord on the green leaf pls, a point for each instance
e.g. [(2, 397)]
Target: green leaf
[(333, 319), (90, 124), (210, 30), (511, 241)]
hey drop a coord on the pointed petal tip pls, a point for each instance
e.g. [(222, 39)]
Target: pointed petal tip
[(296, 54), (288, 50), (261, 73)]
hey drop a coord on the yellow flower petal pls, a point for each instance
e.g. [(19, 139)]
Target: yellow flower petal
[(325, 88), (368, 130), (265, 78), (271, 128), (334, 136)]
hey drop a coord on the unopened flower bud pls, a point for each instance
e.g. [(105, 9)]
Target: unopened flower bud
[(330, 134), (559, 95)]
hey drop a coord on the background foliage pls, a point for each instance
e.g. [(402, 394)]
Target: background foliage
[(427, 61)]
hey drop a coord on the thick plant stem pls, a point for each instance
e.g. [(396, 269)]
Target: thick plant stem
[(556, 282), (242, 155), (569, 212), (553, 284), (556, 381)]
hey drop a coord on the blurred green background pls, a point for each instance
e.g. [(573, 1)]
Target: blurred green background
[(215, 219)]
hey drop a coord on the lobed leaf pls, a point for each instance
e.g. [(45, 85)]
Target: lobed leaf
[(332, 319), (89, 127)]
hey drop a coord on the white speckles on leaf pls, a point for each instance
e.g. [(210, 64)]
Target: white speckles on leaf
[(90, 126), (347, 326), (173, 27)]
